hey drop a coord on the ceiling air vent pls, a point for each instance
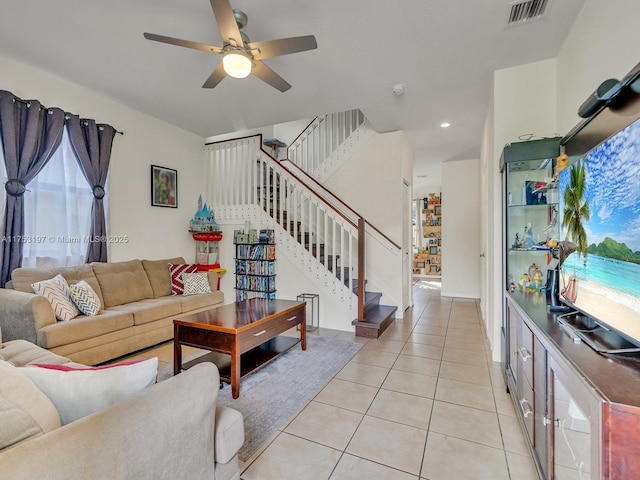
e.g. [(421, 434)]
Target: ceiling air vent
[(524, 11)]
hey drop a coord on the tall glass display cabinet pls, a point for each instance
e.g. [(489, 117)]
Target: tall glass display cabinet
[(531, 228)]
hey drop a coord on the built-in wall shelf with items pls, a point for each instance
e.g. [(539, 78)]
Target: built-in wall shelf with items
[(255, 265), (428, 261)]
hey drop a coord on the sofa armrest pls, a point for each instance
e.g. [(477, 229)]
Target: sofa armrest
[(165, 431), (23, 314)]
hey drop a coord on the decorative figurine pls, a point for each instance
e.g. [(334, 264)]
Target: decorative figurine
[(517, 243), (524, 282), (529, 233), (204, 219)]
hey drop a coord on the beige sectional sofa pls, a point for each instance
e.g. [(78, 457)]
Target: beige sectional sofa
[(173, 429), (137, 309)]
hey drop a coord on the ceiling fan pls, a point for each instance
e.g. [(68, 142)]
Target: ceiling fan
[(240, 56)]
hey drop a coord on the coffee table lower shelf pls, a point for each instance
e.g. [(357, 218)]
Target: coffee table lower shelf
[(251, 360)]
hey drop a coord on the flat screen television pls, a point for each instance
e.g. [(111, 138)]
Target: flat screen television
[(608, 276)]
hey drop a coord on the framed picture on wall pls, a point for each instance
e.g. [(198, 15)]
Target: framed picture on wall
[(164, 187)]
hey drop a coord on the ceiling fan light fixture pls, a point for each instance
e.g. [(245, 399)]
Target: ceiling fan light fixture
[(236, 63)]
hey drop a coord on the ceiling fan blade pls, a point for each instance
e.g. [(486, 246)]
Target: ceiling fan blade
[(226, 21), (267, 75), (216, 77), (283, 46), (182, 43)]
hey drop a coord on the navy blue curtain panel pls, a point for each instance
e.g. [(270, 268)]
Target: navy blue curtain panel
[(30, 134)]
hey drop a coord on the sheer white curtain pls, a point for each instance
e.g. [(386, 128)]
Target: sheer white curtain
[(57, 212)]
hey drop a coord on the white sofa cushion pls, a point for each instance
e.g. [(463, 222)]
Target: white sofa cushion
[(77, 392), (25, 412)]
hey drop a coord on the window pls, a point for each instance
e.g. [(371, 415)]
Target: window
[(58, 206)]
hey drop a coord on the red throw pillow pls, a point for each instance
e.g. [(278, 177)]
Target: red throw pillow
[(176, 270)]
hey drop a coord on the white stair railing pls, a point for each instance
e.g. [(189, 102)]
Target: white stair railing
[(322, 147), (244, 182)]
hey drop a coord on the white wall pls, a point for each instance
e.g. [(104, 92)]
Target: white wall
[(524, 102), (385, 161), (153, 232), (461, 243), (602, 43)]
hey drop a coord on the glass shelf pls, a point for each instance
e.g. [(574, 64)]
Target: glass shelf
[(511, 205)]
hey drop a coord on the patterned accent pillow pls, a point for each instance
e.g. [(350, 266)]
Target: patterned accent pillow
[(85, 298), (57, 291), (196, 283), (176, 270)]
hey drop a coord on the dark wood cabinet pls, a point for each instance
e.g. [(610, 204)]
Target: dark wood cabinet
[(580, 410)]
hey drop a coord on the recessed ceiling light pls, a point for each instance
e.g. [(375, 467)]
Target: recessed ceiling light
[(445, 125)]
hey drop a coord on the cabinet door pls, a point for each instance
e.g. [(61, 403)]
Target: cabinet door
[(540, 403), (511, 340), (573, 427)]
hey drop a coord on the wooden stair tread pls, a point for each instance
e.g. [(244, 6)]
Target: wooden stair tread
[(376, 321)]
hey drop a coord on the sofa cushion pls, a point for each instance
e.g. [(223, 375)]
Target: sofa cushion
[(22, 278), (56, 291), (176, 271), (85, 298), (198, 302), (77, 392), (159, 276), (122, 282), (195, 283), (25, 412), (150, 310), (83, 328), (229, 432), (21, 352)]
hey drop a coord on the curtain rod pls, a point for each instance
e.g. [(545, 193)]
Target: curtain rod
[(28, 103)]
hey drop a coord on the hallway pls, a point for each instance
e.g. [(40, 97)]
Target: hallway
[(424, 401)]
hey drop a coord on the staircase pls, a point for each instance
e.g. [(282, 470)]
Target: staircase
[(325, 237)]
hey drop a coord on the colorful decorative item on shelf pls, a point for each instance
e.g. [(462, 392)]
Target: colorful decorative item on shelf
[(524, 282), (204, 219), (531, 242), (537, 280)]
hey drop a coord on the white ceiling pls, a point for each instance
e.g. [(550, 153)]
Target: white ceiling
[(443, 51)]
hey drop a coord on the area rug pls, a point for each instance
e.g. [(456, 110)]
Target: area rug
[(270, 397)]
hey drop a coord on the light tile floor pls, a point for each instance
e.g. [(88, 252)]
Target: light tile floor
[(422, 402)]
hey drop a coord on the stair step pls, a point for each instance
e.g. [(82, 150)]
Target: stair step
[(371, 300), (354, 286), (375, 322)]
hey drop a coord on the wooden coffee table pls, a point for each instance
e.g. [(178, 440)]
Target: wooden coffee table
[(247, 331)]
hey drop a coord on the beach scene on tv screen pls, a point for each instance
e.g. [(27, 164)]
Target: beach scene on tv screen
[(609, 276)]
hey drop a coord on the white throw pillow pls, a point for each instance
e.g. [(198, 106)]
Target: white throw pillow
[(196, 283), (85, 298), (77, 392), (25, 412), (57, 291)]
